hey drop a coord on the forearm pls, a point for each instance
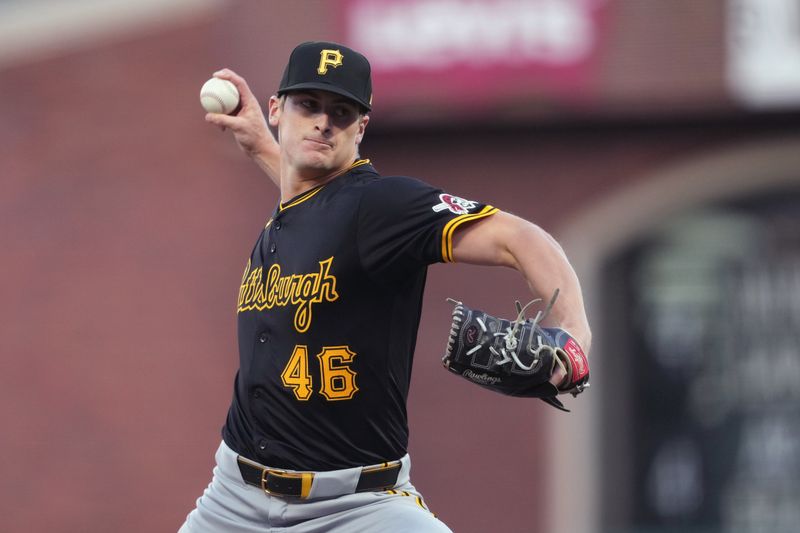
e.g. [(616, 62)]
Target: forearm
[(506, 240), (267, 158), (545, 267)]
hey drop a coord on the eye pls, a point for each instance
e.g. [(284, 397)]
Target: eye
[(307, 103), (342, 111)]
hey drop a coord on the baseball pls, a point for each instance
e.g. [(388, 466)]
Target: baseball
[(219, 96)]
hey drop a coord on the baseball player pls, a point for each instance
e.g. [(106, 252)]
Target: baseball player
[(328, 309)]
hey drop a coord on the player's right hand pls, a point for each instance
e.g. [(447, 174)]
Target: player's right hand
[(249, 126)]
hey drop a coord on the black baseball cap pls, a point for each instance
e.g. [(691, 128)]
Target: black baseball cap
[(329, 67)]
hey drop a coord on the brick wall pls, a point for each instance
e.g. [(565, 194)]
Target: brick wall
[(127, 222)]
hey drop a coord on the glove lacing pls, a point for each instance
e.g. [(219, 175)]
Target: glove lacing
[(508, 352)]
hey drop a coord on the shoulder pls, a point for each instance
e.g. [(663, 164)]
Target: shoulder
[(399, 183), (398, 189), (370, 188), (367, 180)]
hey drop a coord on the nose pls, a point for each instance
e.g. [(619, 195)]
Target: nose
[(323, 123)]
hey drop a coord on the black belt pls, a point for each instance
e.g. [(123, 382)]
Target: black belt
[(298, 484)]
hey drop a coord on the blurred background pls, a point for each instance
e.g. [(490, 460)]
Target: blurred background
[(658, 140)]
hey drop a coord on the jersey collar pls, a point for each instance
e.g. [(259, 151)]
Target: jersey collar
[(302, 197)]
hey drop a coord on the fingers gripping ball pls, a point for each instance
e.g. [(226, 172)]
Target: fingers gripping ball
[(219, 96), (515, 357)]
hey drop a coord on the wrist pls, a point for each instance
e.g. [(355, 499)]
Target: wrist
[(581, 333), (266, 155)]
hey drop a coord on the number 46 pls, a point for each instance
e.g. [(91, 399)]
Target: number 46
[(338, 381)]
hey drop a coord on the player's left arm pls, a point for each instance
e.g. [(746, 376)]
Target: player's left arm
[(504, 239)]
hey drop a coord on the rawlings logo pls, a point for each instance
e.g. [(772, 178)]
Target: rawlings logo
[(579, 363), (454, 204), (471, 335), (481, 378)]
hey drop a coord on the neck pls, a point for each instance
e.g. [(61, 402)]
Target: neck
[(294, 182)]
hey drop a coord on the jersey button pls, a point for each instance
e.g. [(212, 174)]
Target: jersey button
[(277, 224), (262, 444), (272, 248), (263, 338)]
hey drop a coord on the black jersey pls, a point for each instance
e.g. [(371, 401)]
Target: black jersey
[(328, 311)]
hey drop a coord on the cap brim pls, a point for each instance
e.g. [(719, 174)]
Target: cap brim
[(325, 87)]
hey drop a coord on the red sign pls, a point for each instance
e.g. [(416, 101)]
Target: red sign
[(454, 53)]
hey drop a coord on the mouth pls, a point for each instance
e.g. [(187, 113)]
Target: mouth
[(319, 142)]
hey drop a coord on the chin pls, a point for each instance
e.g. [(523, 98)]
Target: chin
[(319, 163), (313, 157), (320, 166)]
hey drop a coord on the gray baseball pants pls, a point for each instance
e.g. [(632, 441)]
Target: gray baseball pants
[(229, 505)]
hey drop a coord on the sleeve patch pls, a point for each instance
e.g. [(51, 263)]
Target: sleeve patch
[(454, 204)]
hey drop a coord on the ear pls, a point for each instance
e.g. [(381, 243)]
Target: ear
[(362, 126), (275, 111)]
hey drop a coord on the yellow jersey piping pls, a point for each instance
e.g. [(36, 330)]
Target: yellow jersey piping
[(450, 227), (301, 199)]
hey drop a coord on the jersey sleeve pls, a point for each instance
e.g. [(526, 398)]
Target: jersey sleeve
[(404, 223)]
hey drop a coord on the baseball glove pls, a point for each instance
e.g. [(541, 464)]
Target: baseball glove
[(515, 357)]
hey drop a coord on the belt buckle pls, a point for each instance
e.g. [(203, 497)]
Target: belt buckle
[(306, 478), (264, 474)]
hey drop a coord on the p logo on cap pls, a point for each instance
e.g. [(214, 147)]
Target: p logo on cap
[(327, 58)]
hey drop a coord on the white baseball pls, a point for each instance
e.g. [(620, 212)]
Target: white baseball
[(219, 96)]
